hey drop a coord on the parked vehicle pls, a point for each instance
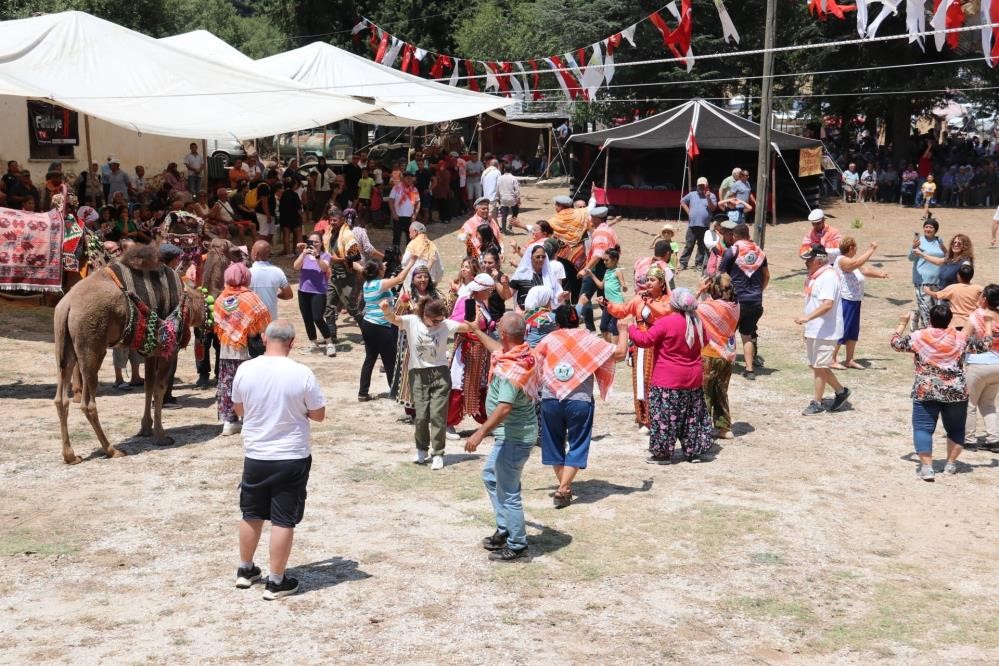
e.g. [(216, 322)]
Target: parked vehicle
[(225, 149)]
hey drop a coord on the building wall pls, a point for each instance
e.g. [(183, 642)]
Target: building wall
[(130, 147)]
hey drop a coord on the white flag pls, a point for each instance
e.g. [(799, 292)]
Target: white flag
[(359, 27), (454, 73), (987, 32), (887, 7), (419, 54), (492, 83), (862, 17), (729, 33), (393, 52), (608, 65), (629, 34), (939, 22), (594, 74), (523, 82), (915, 21)]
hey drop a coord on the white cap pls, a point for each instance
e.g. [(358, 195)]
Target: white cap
[(481, 282), (816, 215)]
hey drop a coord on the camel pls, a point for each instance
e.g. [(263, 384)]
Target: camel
[(94, 316)]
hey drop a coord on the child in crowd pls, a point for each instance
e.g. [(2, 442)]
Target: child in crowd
[(614, 285)]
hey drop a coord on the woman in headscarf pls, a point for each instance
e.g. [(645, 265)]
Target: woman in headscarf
[(421, 287), (424, 251), (648, 306), (534, 270), (538, 315), (571, 360), (470, 362), (239, 315), (676, 397), (720, 317), (939, 390)]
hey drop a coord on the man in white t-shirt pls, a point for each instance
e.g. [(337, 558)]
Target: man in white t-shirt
[(267, 280), (195, 164), (427, 334), (473, 178), (823, 322), (490, 181), (276, 397)]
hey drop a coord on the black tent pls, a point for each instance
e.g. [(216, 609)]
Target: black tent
[(655, 147), (712, 126)]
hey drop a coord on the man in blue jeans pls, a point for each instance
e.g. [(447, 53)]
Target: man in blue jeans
[(514, 423)]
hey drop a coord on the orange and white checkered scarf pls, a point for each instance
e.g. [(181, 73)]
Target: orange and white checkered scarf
[(720, 319), (976, 322), (580, 351), (239, 315), (939, 347), (519, 367)]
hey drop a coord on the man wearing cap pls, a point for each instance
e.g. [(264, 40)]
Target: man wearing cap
[(662, 253), (821, 234), (746, 264), (569, 227), (404, 205), (469, 232), (344, 252), (823, 322), (602, 238), (118, 180), (699, 206)]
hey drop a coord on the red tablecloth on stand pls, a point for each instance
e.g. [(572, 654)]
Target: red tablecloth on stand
[(632, 198)]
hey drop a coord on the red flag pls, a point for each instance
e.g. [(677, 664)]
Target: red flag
[(990, 14), (661, 26), (570, 81), (581, 59), (954, 19), (680, 39), (473, 83), (535, 79), (832, 7), (382, 47), (407, 55), (414, 65), (612, 43), (692, 149), (442, 62), (373, 38)]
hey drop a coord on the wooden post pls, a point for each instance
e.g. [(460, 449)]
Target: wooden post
[(298, 147), (763, 158), (86, 134), (773, 191), (478, 130), (324, 141), (548, 164)]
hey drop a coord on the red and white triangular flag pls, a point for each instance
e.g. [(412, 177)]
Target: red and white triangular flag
[(629, 33), (692, 149), (948, 14), (593, 76)]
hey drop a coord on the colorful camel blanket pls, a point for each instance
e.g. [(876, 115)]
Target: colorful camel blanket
[(30, 250)]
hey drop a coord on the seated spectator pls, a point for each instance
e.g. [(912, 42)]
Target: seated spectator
[(869, 183), (910, 179), (851, 183)]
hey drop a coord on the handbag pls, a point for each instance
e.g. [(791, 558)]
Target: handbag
[(255, 346)]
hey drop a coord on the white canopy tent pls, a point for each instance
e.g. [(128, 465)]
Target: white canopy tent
[(207, 45), (109, 72), (406, 100)]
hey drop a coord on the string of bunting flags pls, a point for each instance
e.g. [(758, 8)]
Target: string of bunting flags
[(581, 72), (947, 15)]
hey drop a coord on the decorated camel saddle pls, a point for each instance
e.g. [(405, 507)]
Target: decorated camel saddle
[(155, 309)]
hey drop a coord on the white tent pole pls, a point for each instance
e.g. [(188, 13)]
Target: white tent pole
[(606, 169)]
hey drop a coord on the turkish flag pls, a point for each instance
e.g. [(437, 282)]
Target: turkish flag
[(692, 149)]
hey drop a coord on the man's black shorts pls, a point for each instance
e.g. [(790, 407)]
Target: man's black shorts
[(749, 316), (274, 490)]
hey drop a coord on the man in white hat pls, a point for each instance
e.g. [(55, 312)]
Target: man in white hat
[(699, 206), (821, 234), (823, 322)]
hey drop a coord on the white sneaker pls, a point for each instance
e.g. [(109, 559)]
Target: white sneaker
[(331, 350), (452, 433), (438, 463), (421, 457), (232, 428), (643, 430)]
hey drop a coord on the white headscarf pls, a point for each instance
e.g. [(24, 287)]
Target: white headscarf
[(481, 282), (525, 271), (538, 297), (683, 301)]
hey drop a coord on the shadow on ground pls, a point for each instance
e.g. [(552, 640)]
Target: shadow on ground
[(327, 573)]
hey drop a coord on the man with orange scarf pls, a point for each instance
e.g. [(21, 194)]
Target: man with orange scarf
[(239, 316), (569, 227), (513, 388), (469, 232), (821, 234), (746, 263)]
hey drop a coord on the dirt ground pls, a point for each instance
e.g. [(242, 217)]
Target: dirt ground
[(804, 539)]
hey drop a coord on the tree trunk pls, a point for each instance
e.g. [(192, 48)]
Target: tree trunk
[(900, 131)]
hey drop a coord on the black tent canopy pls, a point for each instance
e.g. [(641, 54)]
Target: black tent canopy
[(712, 127)]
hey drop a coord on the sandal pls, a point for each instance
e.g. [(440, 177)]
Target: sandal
[(561, 501)]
